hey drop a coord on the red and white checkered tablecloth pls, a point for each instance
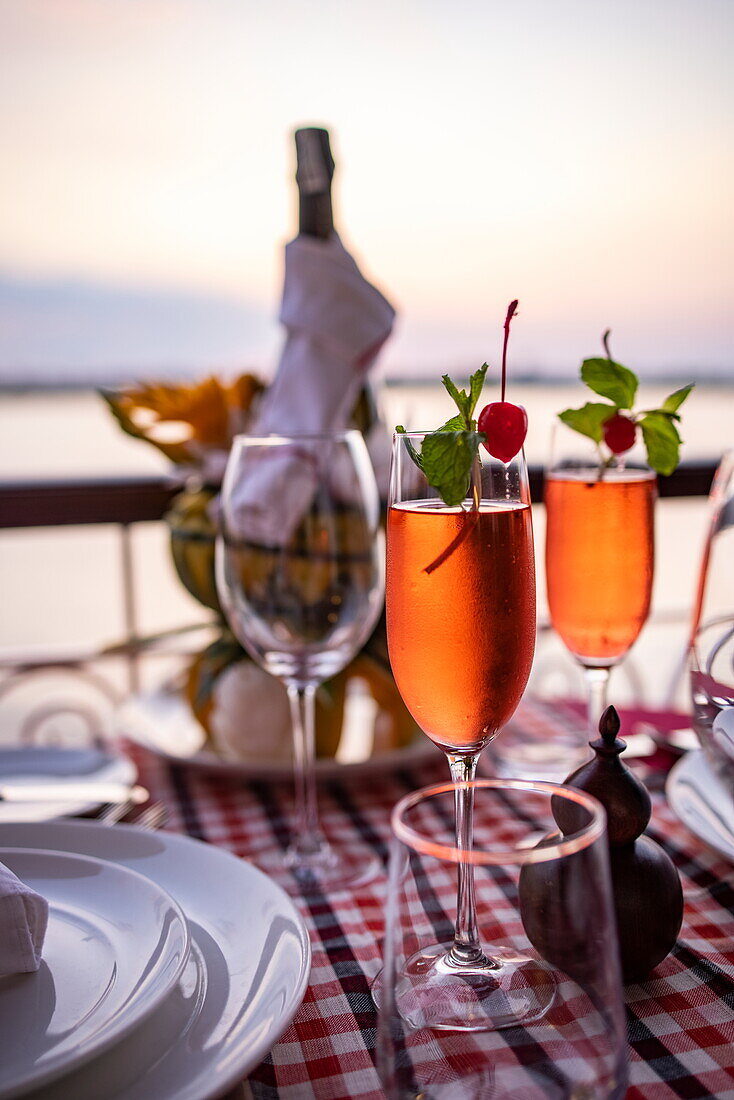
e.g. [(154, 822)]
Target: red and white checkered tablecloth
[(680, 1021)]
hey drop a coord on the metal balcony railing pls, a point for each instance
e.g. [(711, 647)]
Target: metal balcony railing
[(126, 501), (35, 503)]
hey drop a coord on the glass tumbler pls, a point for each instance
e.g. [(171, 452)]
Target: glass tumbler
[(554, 1024)]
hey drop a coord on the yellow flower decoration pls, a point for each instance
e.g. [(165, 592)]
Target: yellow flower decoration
[(184, 420)]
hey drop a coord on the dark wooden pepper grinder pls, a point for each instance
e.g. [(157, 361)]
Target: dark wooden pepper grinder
[(648, 898)]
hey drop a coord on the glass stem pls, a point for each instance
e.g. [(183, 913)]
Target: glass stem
[(308, 838), (597, 680), (466, 950)]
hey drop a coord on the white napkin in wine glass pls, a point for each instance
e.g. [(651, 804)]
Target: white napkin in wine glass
[(23, 923), (336, 323)]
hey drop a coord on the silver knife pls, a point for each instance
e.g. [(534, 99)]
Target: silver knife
[(84, 791)]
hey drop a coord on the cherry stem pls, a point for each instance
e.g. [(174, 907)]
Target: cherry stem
[(605, 342), (510, 314)]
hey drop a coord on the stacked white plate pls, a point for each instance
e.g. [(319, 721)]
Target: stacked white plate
[(36, 765), (170, 967)]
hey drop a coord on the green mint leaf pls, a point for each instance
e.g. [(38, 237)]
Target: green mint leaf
[(410, 448), (661, 440), (466, 402), (589, 419), (460, 398), (672, 403), (448, 454), (447, 461), (476, 384), (455, 424), (610, 380), (662, 412)]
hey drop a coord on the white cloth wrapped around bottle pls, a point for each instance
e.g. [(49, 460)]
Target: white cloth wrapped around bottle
[(336, 323), (23, 923)]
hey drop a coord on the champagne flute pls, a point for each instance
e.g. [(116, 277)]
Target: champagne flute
[(599, 557), (300, 573), (460, 603)]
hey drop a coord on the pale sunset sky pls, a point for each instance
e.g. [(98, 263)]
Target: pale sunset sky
[(576, 154)]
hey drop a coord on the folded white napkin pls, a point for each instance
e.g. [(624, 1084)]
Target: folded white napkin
[(336, 323), (23, 922)]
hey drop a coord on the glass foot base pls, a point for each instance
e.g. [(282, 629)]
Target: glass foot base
[(323, 870), (499, 990)]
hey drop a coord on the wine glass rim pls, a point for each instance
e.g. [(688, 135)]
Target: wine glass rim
[(564, 846), (636, 470), (417, 434), (277, 438)]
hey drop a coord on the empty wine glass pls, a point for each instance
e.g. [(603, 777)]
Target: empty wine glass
[(711, 651), (711, 676), (715, 587), (300, 574), (554, 1024)]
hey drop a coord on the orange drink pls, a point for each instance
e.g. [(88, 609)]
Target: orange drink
[(460, 616), (599, 559)]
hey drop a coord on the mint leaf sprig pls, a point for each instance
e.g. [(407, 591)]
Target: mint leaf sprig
[(448, 454), (613, 425)]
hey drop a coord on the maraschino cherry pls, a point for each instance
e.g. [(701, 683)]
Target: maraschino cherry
[(504, 424), (619, 433)]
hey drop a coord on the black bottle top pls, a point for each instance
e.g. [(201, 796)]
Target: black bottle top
[(314, 173)]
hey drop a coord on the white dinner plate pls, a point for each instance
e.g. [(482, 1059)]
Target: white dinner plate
[(703, 802), (162, 722), (36, 763), (245, 978), (115, 947)]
